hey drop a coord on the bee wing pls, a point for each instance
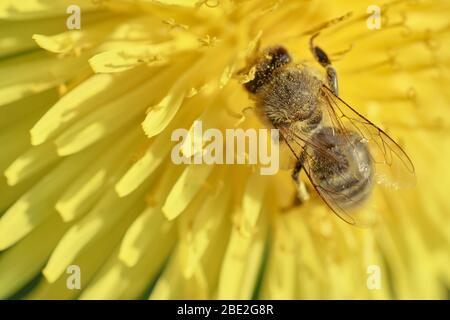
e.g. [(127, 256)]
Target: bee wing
[(393, 167), (298, 143)]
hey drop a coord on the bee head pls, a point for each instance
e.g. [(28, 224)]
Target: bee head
[(269, 61)]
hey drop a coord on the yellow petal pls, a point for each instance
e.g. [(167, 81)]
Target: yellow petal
[(242, 262), (105, 214), (149, 228), (82, 193), (37, 204), (252, 202), (88, 96), (22, 262), (185, 189)]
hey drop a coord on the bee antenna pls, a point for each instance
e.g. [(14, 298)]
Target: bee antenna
[(311, 40), (326, 25)]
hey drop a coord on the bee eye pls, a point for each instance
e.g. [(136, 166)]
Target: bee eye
[(279, 56), (271, 60)]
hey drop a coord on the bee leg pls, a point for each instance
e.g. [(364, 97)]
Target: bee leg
[(302, 190), (302, 194), (325, 62)]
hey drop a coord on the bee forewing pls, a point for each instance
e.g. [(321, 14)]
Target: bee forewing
[(393, 167)]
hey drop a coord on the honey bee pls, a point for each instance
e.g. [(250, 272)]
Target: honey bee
[(342, 153)]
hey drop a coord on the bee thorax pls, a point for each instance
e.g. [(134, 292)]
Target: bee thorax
[(291, 96)]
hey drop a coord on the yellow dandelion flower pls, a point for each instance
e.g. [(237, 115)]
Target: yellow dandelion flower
[(91, 92)]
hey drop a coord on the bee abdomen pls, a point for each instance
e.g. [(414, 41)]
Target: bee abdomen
[(348, 192), (342, 167)]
